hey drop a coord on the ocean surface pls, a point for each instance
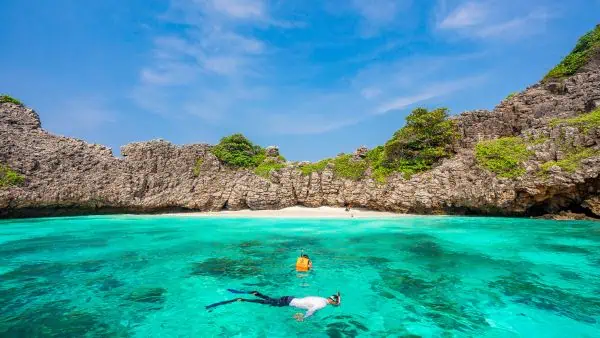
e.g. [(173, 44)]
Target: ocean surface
[(151, 276)]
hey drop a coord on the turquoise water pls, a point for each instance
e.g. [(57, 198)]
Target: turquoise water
[(151, 276)]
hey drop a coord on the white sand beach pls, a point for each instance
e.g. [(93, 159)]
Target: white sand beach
[(298, 212)]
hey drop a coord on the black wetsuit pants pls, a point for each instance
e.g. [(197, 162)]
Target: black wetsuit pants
[(282, 301)]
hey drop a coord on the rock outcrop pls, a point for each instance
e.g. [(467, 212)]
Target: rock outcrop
[(68, 176)]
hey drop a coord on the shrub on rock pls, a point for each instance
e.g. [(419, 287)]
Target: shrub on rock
[(9, 177), (503, 156), (9, 99), (237, 151), (586, 49)]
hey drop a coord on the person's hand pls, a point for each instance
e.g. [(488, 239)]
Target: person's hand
[(299, 317)]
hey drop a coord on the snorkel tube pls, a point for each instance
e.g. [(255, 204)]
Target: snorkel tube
[(337, 298)]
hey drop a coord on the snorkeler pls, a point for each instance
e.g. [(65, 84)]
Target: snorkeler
[(303, 263), (311, 304)]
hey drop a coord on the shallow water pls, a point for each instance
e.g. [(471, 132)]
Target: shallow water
[(151, 276)]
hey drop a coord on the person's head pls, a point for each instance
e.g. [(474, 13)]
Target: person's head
[(335, 300), (305, 256)]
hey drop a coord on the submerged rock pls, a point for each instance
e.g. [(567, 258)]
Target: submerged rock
[(344, 326), (148, 295), (529, 290), (227, 268), (109, 284), (58, 319)]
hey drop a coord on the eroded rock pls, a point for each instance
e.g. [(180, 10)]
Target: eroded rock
[(66, 175)]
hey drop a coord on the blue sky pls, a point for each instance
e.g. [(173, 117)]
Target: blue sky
[(314, 77)]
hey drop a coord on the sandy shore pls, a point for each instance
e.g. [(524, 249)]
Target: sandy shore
[(297, 212)]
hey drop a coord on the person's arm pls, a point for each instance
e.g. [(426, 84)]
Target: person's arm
[(312, 310)]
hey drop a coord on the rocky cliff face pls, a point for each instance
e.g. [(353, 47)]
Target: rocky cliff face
[(65, 175)]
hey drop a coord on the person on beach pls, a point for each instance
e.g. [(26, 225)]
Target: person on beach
[(312, 304)]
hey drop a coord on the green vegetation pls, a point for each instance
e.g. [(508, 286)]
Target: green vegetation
[(426, 138), (264, 169), (586, 47), (584, 122), (380, 174), (375, 157), (573, 159), (537, 141), (198, 167), (8, 99), (237, 151), (503, 156), (9, 177), (318, 167), (510, 96), (574, 155), (344, 166)]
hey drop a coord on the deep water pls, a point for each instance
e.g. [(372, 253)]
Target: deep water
[(151, 276)]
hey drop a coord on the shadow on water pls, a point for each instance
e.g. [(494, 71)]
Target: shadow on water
[(58, 319), (48, 243), (344, 326), (51, 271), (435, 298), (529, 290), (227, 268), (561, 248)]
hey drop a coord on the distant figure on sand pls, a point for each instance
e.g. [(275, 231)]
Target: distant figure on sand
[(311, 304), (349, 208)]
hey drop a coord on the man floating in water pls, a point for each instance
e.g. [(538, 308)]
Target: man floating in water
[(311, 304)]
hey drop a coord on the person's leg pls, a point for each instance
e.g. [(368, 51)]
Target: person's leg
[(259, 301), (284, 301), (259, 295)]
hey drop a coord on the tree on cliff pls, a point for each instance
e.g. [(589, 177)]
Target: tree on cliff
[(426, 138), (237, 151)]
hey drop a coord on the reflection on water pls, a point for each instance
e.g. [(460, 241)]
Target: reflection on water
[(122, 276)]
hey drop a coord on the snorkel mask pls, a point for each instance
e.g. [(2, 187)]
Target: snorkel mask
[(337, 298)]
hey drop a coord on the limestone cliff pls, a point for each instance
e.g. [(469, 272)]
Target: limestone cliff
[(66, 176)]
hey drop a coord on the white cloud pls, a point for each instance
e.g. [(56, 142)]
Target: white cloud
[(345, 108), (197, 70), (379, 14), (517, 27), (370, 93), (468, 14), (218, 71), (493, 19), (432, 91), (168, 73), (240, 8)]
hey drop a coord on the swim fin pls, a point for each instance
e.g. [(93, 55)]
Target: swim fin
[(211, 306), (239, 291)]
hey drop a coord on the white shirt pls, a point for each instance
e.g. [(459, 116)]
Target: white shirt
[(311, 304)]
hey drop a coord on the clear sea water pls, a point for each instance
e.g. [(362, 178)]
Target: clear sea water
[(151, 276)]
